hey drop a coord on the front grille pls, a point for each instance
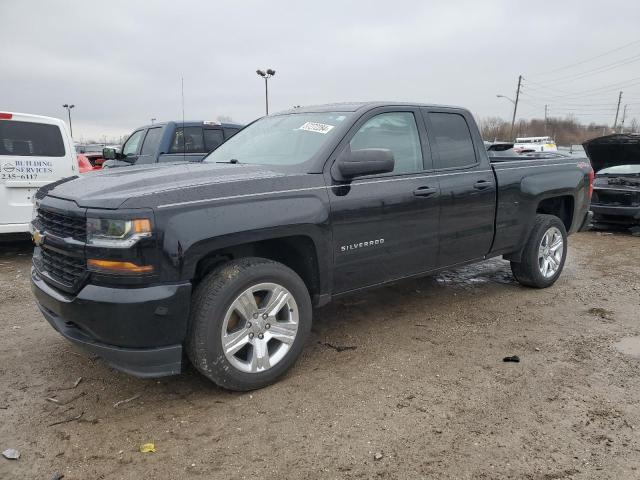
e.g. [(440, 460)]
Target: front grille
[(63, 226), (63, 268), (616, 198)]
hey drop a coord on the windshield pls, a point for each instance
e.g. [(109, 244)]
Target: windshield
[(621, 170), (280, 140)]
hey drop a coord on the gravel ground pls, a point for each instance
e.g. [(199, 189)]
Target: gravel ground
[(424, 393)]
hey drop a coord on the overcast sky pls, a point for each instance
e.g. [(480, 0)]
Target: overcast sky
[(120, 62)]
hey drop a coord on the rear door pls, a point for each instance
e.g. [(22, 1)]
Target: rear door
[(467, 186), (187, 144), (33, 153)]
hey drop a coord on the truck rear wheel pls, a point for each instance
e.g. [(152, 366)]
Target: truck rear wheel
[(544, 253), (250, 319)]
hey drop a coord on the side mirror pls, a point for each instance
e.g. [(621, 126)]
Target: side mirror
[(109, 154), (366, 161)]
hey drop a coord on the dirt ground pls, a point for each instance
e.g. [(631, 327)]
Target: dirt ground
[(425, 387)]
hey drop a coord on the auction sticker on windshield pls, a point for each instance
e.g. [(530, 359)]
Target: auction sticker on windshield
[(316, 127)]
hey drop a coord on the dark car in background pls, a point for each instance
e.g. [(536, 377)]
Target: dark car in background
[(616, 196), (170, 142)]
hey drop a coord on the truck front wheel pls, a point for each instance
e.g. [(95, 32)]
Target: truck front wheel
[(250, 319), (544, 253)]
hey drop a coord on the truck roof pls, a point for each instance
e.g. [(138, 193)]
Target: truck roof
[(29, 117), (355, 106), (194, 123)]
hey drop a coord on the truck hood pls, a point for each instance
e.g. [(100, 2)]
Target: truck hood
[(149, 185), (612, 150)]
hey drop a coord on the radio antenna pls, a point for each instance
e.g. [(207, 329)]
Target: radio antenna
[(184, 138)]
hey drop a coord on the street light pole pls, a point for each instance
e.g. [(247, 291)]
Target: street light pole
[(266, 75), (69, 107)]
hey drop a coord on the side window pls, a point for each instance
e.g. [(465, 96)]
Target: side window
[(212, 138), (30, 139), (151, 141), (396, 131), (187, 140), (230, 132), (453, 140), (130, 147)]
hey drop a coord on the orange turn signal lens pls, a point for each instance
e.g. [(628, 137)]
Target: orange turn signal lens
[(142, 225), (110, 266)]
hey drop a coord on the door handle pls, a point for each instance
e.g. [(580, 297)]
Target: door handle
[(424, 191), (482, 184)]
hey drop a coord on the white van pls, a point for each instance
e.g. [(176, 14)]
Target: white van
[(535, 144), (34, 151)]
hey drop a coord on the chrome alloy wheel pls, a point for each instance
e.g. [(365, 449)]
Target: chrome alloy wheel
[(260, 327), (550, 252)]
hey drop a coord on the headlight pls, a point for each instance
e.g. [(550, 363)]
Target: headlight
[(112, 233)]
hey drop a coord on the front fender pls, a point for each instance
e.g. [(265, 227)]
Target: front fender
[(190, 234)]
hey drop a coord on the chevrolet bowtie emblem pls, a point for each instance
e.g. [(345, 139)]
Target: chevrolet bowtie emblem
[(38, 238)]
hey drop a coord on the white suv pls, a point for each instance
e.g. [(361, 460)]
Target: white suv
[(34, 151)]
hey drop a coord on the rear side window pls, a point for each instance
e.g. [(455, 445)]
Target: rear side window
[(151, 141), (212, 139), (453, 140), (230, 132), (30, 139), (187, 140)]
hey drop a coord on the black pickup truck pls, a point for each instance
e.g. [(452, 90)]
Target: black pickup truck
[(222, 261), (170, 142)]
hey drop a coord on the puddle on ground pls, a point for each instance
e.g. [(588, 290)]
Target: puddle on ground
[(629, 346), (490, 271)]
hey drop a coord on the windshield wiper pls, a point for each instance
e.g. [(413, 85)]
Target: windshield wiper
[(233, 161)]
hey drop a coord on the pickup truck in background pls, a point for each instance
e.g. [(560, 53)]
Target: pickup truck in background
[(223, 260), (170, 142)]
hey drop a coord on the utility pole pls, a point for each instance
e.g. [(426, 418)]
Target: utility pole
[(624, 115), (615, 122), (546, 117), (515, 105)]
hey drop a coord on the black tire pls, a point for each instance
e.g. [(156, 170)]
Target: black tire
[(210, 302), (527, 271)]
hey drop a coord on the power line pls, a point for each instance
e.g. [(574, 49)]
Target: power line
[(588, 59), (595, 71), (602, 89)]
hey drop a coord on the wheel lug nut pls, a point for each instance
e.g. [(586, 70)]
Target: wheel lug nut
[(260, 336), (255, 315), (267, 326), (248, 324), (251, 335), (264, 315)]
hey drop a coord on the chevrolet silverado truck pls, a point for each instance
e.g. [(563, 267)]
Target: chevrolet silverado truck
[(220, 263)]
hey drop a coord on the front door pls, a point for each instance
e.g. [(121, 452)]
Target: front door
[(386, 226)]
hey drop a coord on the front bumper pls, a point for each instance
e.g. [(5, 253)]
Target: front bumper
[(137, 330), (14, 228), (616, 214)]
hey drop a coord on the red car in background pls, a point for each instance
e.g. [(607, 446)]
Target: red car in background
[(89, 157), (84, 164)]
